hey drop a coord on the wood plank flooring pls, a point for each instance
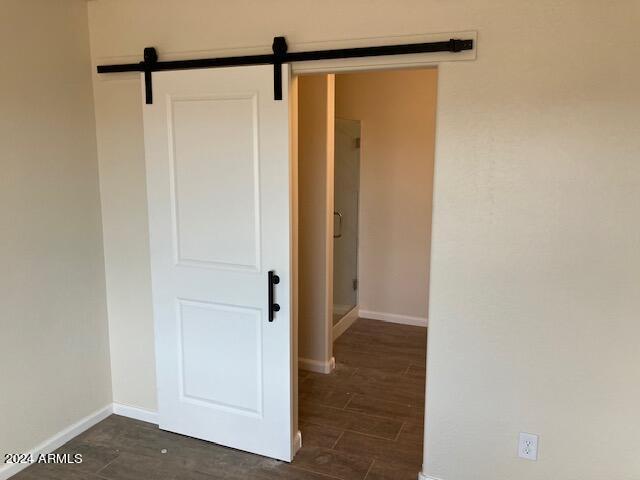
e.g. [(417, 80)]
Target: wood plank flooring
[(364, 421)]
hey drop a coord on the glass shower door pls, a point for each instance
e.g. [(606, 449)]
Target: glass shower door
[(345, 216)]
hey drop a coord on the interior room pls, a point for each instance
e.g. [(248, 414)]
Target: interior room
[(222, 250), (364, 247)]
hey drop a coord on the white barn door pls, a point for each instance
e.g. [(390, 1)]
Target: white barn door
[(218, 188)]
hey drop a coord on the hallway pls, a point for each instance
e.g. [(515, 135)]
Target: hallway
[(363, 421)]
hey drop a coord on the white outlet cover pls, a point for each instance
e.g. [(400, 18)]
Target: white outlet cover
[(528, 446)]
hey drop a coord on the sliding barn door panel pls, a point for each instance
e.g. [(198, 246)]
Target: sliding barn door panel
[(218, 181)]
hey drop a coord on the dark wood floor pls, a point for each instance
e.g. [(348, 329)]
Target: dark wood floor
[(363, 421)]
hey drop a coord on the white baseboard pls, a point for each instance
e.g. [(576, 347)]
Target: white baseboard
[(297, 442), (57, 440), (422, 476), (345, 322), (316, 365), (136, 413), (394, 318)]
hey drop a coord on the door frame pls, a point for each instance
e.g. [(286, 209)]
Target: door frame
[(400, 62)]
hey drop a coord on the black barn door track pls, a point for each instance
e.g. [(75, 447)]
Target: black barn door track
[(279, 56)]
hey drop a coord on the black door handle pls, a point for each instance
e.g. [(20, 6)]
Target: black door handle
[(273, 307)]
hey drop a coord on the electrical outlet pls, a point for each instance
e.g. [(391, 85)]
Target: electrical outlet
[(528, 446)]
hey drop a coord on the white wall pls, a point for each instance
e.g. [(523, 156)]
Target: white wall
[(397, 110), (126, 241), (535, 275), (54, 356), (315, 198)]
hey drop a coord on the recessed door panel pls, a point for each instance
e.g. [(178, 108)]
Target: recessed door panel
[(215, 169), (209, 332), (219, 201)]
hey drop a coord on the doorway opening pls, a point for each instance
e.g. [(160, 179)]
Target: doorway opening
[(365, 180)]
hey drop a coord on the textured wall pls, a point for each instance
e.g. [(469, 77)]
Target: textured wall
[(535, 274), (54, 350), (315, 137)]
